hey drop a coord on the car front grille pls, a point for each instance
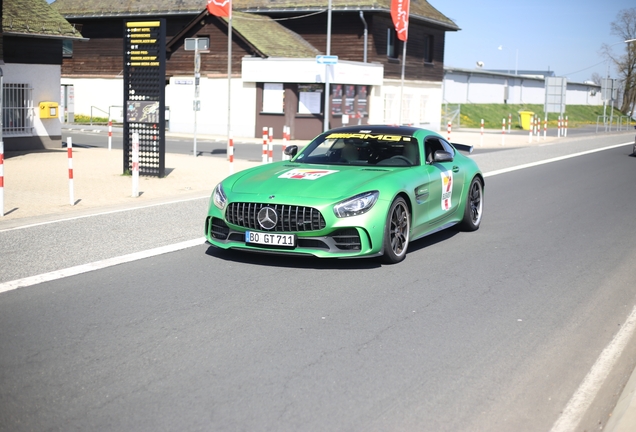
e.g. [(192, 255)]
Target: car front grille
[(291, 218)]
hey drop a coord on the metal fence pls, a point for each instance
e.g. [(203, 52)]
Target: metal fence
[(451, 113), (17, 110)]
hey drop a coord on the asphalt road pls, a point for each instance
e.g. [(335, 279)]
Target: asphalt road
[(492, 330)]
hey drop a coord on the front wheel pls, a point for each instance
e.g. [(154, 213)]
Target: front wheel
[(474, 206), (396, 232)]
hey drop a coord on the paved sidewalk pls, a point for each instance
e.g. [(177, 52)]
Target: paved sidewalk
[(37, 184)]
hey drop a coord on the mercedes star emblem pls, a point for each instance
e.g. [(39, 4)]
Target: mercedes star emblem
[(267, 218)]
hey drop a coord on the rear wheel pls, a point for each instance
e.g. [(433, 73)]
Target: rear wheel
[(396, 232), (474, 206)]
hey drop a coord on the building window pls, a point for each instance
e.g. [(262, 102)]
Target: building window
[(17, 110), (273, 98), (391, 43), (428, 49), (310, 98), (67, 48)]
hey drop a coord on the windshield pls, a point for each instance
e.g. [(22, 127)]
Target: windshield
[(361, 149)]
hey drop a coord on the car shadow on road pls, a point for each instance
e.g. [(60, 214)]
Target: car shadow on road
[(300, 262)]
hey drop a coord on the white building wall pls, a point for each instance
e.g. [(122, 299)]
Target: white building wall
[(421, 106), (212, 118), (465, 86), (583, 94), (45, 82), (101, 95), (97, 95)]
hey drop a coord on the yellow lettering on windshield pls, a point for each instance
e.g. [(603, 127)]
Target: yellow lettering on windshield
[(362, 136)]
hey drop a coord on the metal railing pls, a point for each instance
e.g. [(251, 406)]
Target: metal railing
[(98, 109), (624, 121)]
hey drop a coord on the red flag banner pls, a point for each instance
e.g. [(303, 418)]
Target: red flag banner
[(220, 8), (400, 16)]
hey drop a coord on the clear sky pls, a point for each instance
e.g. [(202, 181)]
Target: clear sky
[(563, 36)]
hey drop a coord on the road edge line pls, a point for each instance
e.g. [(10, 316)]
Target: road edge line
[(556, 159), (97, 265), (581, 400)]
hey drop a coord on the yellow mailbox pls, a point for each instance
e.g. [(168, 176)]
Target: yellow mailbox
[(48, 110)]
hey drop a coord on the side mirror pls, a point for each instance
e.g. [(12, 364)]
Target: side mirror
[(442, 156), (291, 150)]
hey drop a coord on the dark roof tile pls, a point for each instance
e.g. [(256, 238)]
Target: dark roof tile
[(420, 9), (271, 38), (35, 18)]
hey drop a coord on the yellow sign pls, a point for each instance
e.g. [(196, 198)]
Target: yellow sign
[(143, 24)]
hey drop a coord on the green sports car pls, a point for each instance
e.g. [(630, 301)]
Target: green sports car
[(358, 191)]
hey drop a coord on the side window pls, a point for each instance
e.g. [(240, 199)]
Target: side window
[(431, 145), (447, 147)]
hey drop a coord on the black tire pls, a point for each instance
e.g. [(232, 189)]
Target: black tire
[(396, 232), (474, 206)]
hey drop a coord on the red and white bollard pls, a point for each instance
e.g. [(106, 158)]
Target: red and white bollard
[(559, 127), (69, 152), (1, 178), (265, 136), (565, 134), (509, 121), (230, 152), (545, 127), (530, 133), (448, 130), (481, 138), (110, 134), (270, 146), (283, 155), (135, 164), (503, 131)]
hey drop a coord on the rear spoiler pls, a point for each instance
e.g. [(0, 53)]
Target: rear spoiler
[(463, 147)]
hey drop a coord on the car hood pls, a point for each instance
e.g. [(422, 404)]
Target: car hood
[(317, 181)]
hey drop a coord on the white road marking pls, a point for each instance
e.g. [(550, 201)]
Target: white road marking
[(585, 394), (85, 268), (547, 161), (106, 213)]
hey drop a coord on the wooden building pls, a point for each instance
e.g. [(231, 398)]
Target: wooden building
[(362, 36)]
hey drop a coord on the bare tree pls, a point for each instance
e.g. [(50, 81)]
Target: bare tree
[(625, 28)]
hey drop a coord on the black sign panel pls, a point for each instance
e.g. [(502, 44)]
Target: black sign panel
[(144, 95)]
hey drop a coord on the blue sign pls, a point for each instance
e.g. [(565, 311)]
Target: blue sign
[(327, 59)]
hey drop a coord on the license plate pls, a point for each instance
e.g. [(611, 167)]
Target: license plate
[(252, 237)]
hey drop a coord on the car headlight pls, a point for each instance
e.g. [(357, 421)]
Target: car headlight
[(218, 197), (356, 205)]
